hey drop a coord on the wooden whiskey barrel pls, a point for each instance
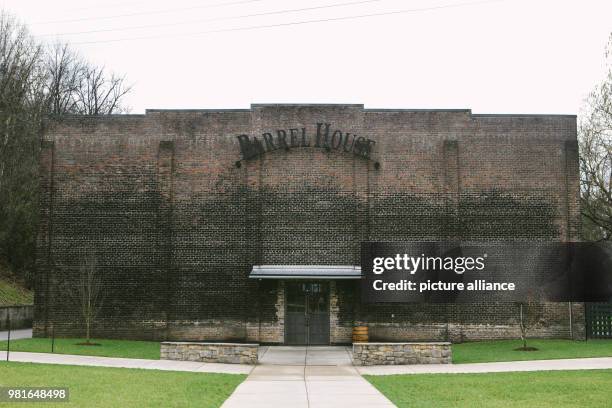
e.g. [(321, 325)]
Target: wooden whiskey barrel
[(360, 334)]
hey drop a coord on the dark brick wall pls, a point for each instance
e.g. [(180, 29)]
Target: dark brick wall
[(176, 226)]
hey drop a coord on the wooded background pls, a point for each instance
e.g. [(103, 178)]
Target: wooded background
[(38, 81)]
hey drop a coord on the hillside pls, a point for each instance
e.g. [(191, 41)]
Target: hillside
[(12, 292)]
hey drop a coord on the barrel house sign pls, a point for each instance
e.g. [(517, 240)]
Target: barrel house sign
[(246, 224), (252, 147)]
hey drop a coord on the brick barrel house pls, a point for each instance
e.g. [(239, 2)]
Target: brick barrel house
[(246, 224)]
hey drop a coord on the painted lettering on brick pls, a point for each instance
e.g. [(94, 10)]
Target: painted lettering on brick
[(322, 136)]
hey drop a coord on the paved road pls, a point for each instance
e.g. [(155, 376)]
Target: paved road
[(16, 334)]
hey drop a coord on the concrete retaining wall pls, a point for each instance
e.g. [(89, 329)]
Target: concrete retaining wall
[(21, 317), (401, 353), (234, 353)]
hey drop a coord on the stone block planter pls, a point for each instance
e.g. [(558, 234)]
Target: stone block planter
[(232, 353), (401, 353)]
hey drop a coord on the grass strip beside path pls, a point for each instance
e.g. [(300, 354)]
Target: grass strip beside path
[(504, 350), (107, 348), (121, 387), (542, 389), (474, 352)]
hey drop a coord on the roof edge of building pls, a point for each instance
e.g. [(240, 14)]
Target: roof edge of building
[(360, 106), (523, 115)]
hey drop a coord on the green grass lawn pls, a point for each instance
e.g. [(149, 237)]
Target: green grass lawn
[(107, 348), (121, 387), (558, 389), (504, 350)]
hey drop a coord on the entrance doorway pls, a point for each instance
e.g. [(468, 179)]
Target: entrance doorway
[(307, 313)]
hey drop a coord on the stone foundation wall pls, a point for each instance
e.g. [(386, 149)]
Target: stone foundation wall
[(459, 323), (233, 353), (401, 353), (20, 317), (339, 332)]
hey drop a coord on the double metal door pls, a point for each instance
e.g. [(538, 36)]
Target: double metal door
[(307, 313)]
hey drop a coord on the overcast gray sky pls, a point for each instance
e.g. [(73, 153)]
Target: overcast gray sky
[(512, 56)]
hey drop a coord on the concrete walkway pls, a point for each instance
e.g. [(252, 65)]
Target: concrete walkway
[(306, 356), (286, 359), (501, 367), (169, 365), (16, 334), (306, 377), (286, 376)]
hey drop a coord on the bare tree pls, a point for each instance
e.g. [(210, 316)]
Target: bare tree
[(595, 139), (523, 324), (21, 79), (64, 69), (18, 63), (37, 81), (86, 293), (99, 93), (530, 314), (79, 87)]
